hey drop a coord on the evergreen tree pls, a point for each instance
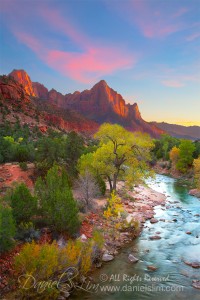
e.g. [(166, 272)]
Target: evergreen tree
[(56, 200), (24, 205), (7, 228)]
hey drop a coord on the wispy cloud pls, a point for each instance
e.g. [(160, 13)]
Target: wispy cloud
[(173, 83), (88, 63), (193, 37), (154, 19)]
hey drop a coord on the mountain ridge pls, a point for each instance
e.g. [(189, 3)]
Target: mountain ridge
[(99, 104), (180, 131)]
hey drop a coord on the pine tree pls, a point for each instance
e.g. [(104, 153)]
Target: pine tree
[(56, 200), (24, 205), (7, 228)]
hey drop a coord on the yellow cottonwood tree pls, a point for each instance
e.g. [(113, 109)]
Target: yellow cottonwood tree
[(196, 165), (121, 155), (174, 155)]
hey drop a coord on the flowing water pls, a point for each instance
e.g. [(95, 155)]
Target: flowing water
[(173, 278)]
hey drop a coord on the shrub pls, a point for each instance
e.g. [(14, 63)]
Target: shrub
[(24, 205), (56, 200), (48, 261), (23, 166), (114, 207), (101, 184), (7, 228), (27, 233)]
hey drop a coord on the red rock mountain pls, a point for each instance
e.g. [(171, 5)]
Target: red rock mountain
[(100, 104), (22, 77), (17, 105)]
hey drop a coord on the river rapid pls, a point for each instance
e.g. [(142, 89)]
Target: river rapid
[(120, 279)]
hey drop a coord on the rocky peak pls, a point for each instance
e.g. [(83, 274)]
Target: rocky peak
[(40, 90), (23, 78), (100, 84)]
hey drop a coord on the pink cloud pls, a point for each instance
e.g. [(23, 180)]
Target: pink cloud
[(86, 65), (57, 22), (193, 37), (180, 12), (155, 19), (154, 23), (172, 83), (29, 41)]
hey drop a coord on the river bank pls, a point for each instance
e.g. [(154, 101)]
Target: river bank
[(174, 256), (138, 206)]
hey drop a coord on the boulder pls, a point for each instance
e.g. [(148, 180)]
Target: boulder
[(155, 237), (193, 264), (107, 257), (83, 237), (194, 192), (153, 220), (132, 258), (152, 268), (129, 219), (196, 284)]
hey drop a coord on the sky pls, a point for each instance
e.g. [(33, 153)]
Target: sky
[(146, 50)]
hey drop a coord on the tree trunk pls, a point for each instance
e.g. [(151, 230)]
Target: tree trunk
[(115, 182), (110, 183)]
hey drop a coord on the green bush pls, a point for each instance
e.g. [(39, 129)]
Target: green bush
[(56, 201), (24, 205), (27, 233), (7, 228), (23, 166)]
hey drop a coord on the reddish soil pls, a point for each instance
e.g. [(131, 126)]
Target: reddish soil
[(12, 173)]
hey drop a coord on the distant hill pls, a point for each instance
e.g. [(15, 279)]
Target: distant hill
[(179, 131)]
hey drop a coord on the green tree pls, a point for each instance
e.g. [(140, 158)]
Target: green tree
[(197, 149), (24, 205), (56, 200), (49, 150), (164, 145), (185, 155), (7, 228), (74, 148), (121, 155)]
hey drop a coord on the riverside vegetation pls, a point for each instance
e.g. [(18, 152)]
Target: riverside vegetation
[(33, 219)]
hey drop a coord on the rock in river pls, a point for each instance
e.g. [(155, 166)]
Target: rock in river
[(107, 257), (153, 220), (152, 268), (195, 265), (155, 237), (196, 284), (132, 258)]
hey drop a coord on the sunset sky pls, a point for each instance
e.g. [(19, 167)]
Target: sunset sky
[(147, 50)]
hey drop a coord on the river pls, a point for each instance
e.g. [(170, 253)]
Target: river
[(173, 278)]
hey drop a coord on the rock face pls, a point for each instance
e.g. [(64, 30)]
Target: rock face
[(38, 112), (22, 77), (103, 104), (40, 90), (99, 104)]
